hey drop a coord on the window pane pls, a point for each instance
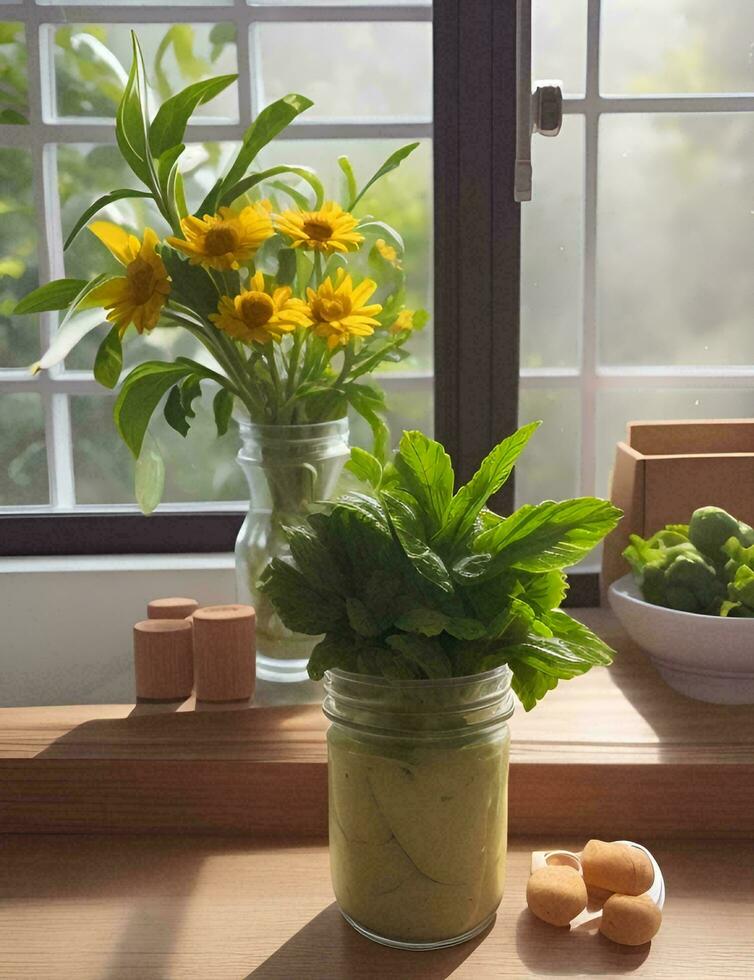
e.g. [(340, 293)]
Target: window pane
[(410, 407), (23, 461), (559, 43), (676, 46), (92, 61), (549, 467), (675, 239), (616, 408), (14, 106), (19, 335), (350, 70), (84, 173), (403, 199), (552, 244), (201, 467)]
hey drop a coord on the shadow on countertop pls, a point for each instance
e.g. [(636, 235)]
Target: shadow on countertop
[(327, 947)]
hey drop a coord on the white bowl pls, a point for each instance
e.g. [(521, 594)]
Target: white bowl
[(710, 658)]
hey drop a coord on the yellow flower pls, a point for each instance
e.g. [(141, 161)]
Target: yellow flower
[(226, 239), (331, 229), (137, 297), (338, 310), (388, 252), (404, 321), (258, 315)]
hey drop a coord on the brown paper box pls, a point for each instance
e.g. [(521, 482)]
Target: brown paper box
[(665, 470)]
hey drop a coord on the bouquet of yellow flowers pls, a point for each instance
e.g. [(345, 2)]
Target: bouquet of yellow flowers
[(296, 304)]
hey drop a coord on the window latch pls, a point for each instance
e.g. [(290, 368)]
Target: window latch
[(538, 111)]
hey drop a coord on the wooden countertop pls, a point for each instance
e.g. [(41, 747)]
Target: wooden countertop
[(211, 908), (616, 748)]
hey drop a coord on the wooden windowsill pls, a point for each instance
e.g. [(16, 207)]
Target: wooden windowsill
[(210, 908), (614, 749)]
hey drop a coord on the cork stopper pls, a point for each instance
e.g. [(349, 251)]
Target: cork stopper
[(163, 659), (174, 607), (224, 652)]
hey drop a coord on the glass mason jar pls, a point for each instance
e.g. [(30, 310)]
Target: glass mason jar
[(288, 467), (418, 796)]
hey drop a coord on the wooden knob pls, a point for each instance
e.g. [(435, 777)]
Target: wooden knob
[(176, 607), (224, 652), (163, 659)]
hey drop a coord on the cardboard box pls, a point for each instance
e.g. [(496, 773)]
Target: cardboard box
[(665, 470)]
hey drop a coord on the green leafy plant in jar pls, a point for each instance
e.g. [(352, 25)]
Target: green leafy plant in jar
[(432, 607)]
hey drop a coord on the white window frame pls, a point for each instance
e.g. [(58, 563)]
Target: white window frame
[(44, 133), (590, 378)]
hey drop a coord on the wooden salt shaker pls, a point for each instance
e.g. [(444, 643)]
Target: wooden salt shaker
[(163, 659), (175, 607), (224, 652)]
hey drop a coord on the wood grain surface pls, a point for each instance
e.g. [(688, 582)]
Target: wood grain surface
[(612, 750), (209, 908)]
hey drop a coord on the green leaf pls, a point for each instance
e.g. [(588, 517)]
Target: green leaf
[(360, 618), (380, 229), (269, 123), (13, 117), (427, 474), (392, 162), (169, 125), (190, 390), (191, 285), (149, 477), (102, 202), (109, 360), (365, 467), (286, 266), (298, 197), (55, 295), (229, 194), (579, 637), (301, 608), (530, 685), (175, 413), (489, 478), (351, 190), (222, 406), (545, 591), (131, 131), (365, 400), (547, 536), (466, 629), (140, 395), (72, 330), (427, 622), (314, 561), (332, 653), (403, 513), (427, 654)]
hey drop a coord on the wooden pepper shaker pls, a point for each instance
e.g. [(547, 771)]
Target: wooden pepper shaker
[(224, 652), (163, 659), (174, 607)]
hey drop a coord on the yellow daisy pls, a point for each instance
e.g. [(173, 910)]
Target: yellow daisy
[(404, 321), (137, 297), (258, 315), (226, 239), (388, 252), (338, 310), (331, 229)]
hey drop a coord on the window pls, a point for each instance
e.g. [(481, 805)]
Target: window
[(60, 81), (636, 289)]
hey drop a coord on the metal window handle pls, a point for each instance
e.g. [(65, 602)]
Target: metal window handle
[(539, 111)]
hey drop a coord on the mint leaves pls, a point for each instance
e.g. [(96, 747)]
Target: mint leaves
[(410, 579)]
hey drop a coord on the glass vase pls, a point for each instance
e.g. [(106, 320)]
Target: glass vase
[(418, 791), (289, 468)]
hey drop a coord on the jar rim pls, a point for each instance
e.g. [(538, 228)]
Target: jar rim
[(412, 683)]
